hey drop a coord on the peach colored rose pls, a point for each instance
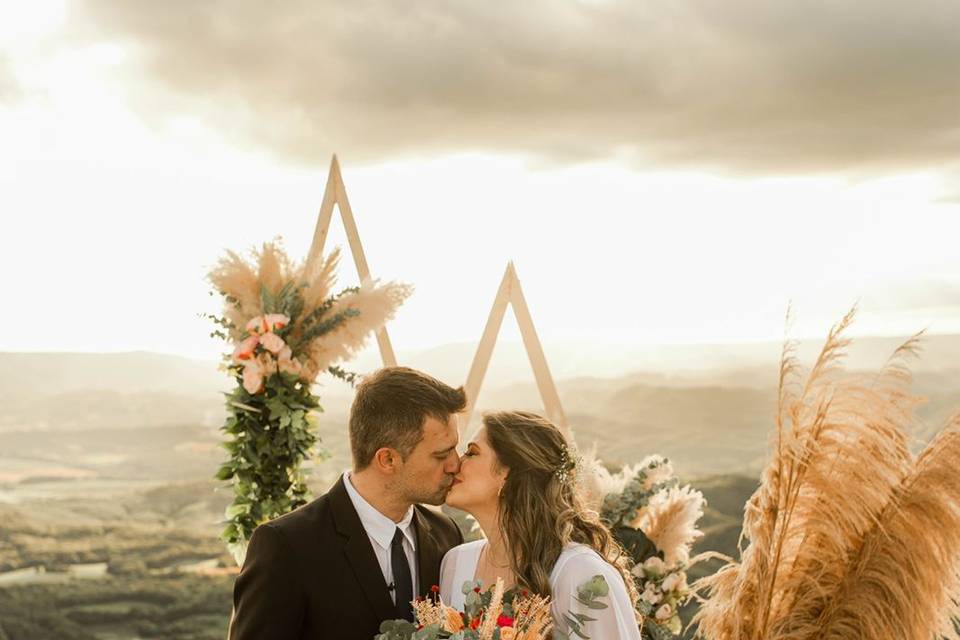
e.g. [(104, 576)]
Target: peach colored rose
[(257, 326), (268, 366), (272, 342), (252, 377), (508, 633), (245, 349), (287, 363), (291, 366), (275, 321)]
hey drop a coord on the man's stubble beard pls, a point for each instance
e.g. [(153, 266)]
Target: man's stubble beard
[(436, 498)]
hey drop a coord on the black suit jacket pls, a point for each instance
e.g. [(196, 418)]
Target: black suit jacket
[(312, 573)]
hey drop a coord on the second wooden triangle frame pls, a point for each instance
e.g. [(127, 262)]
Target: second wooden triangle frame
[(510, 292)]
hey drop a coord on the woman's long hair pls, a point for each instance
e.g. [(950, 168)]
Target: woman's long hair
[(539, 512)]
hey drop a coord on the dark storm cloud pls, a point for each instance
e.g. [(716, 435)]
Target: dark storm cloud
[(749, 86)]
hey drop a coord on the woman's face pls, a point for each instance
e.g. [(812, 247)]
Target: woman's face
[(477, 485)]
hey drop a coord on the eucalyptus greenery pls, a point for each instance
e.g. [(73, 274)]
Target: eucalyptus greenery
[(590, 594)]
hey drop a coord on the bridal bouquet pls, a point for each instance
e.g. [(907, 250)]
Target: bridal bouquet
[(285, 328), (494, 614), (655, 520)]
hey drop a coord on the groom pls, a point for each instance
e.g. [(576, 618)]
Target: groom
[(336, 568)]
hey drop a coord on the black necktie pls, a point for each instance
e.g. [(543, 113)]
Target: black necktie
[(402, 580)]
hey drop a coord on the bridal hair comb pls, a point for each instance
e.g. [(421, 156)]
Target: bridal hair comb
[(570, 463)]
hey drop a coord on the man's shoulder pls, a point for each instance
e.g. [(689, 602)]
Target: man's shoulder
[(441, 524), (306, 519)]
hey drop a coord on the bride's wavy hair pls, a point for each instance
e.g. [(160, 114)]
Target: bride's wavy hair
[(539, 512)]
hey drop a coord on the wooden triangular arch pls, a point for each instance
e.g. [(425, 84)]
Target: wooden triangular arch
[(336, 193), (511, 293)]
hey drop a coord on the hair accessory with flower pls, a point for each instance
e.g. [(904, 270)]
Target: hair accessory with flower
[(570, 463)]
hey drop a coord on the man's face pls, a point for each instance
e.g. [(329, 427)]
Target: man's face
[(427, 473)]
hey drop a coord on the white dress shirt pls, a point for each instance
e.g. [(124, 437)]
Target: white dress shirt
[(381, 530)]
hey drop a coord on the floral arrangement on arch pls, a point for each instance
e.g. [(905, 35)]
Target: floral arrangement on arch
[(655, 520), (285, 328), (492, 614)]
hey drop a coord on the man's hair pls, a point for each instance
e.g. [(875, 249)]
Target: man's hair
[(390, 408)]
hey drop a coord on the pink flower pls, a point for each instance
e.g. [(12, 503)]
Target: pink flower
[(245, 349), (268, 366), (287, 363), (252, 377), (257, 326), (265, 324), (276, 321), (272, 342)]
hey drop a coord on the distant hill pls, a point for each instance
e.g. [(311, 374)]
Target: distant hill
[(61, 415), (743, 364), (55, 373)]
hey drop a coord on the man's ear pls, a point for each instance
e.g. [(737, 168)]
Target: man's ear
[(386, 459)]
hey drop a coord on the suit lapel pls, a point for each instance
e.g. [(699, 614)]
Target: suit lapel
[(428, 553), (359, 552)]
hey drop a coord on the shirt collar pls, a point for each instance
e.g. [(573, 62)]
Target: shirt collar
[(378, 526)]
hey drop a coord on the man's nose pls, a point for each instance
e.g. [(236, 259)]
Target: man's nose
[(453, 464)]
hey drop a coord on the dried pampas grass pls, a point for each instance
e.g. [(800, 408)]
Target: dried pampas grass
[(847, 530), (670, 521), (598, 482), (376, 305), (321, 276), (239, 283), (902, 581), (244, 284)]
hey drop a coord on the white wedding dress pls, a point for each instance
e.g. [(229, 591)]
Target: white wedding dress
[(576, 565)]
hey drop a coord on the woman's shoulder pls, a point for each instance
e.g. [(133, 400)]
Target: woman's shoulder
[(579, 561)]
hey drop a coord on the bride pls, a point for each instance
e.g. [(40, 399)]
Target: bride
[(517, 479)]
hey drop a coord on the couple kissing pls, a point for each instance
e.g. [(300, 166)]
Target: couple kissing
[(361, 553)]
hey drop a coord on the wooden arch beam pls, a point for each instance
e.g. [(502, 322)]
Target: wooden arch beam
[(511, 293), (336, 194)]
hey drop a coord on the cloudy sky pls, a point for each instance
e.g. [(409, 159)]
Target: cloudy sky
[(660, 172)]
